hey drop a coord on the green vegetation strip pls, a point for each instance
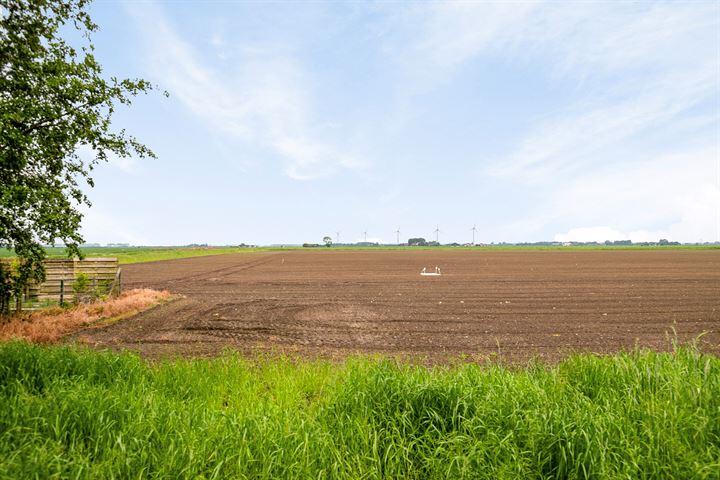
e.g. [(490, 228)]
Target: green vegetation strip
[(152, 254), (146, 254), (68, 412)]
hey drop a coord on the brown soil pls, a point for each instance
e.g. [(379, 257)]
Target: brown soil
[(509, 305)]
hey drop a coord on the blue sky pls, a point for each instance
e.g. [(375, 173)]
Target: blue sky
[(288, 121)]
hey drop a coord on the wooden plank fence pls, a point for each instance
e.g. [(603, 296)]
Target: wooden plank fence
[(61, 274)]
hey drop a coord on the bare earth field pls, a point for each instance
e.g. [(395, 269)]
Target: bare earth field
[(512, 305)]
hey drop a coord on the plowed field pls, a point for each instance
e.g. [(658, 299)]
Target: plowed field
[(487, 304)]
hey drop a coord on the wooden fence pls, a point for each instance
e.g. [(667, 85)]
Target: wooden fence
[(62, 273)]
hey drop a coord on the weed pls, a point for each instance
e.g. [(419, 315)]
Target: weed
[(51, 324)]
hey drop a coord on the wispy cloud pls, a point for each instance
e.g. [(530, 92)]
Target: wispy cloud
[(537, 118), (651, 62), (642, 70), (264, 102), (584, 134), (455, 32), (574, 39), (429, 41)]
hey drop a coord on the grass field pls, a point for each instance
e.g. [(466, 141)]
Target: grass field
[(147, 254), (75, 413), (152, 254)]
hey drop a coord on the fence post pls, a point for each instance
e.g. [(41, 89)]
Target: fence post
[(119, 281), (62, 291)]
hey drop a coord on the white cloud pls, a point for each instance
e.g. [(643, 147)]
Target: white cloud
[(311, 159), (675, 197), (455, 32), (655, 64), (580, 136), (430, 41), (590, 234), (265, 103), (652, 63), (642, 69), (577, 39)]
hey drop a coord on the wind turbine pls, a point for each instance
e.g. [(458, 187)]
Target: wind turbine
[(337, 237), (473, 230), (437, 233), (365, 233), (398, 235)]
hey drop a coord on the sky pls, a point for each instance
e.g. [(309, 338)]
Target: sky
[(289, 121)]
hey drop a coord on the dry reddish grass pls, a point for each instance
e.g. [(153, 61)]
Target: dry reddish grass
[(49, 325)]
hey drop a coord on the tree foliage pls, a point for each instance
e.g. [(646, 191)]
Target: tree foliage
[(54, 103)]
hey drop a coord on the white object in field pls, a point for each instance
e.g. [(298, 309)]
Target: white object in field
[(425, 273)]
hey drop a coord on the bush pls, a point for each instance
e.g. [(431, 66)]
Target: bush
[(85, 292)]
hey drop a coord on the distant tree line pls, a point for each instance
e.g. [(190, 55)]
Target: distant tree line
[(422, 242)]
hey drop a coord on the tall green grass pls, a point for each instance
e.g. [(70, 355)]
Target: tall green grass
[(67, 412)]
